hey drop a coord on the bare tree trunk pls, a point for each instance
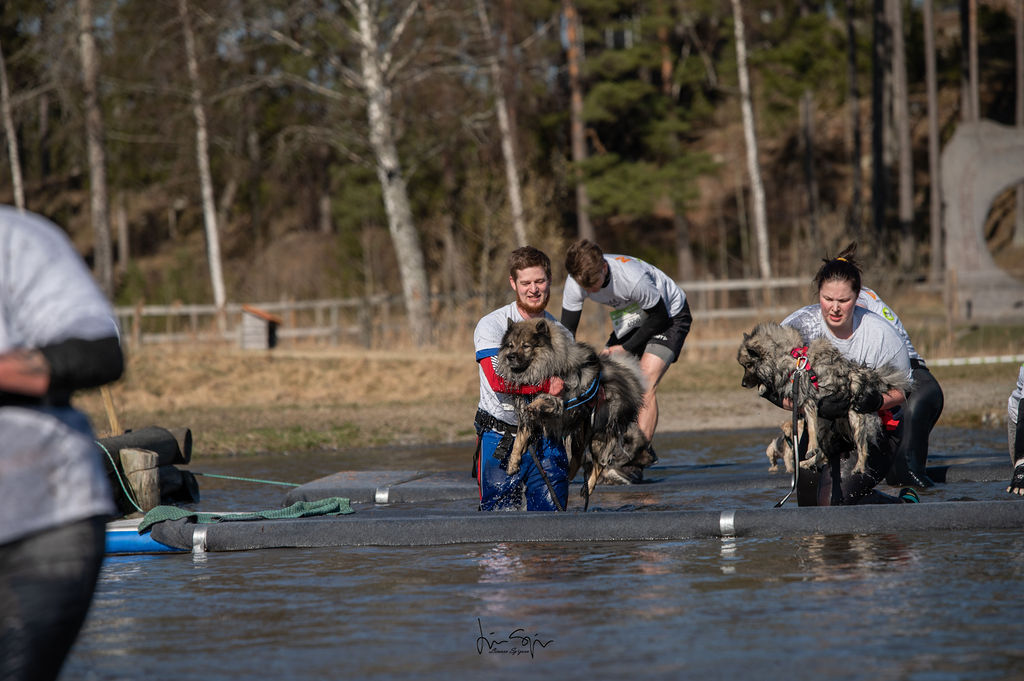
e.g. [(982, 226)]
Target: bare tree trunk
[(968, 61), (685, 267), (12, 136), (389, 171), (508, 152), (905, 152), (856, 216), (935, 270), (973, 59), (203, 159), (1018, 232), (750, 134), (810, 175), (579, 142), (123, 246), (879, 62), (102, 251)]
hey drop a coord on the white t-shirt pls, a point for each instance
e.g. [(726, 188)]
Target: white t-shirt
[(51, 472), (487, 341), (874, 342), (873, 302), (634, 287)]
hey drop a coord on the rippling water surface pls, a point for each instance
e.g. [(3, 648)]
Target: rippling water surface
[(902, 606)]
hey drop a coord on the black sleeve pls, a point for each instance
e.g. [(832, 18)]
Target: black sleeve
[(76, 364), (656, 322), (571, 320)]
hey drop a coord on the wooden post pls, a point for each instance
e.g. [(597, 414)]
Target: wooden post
[(141, 470)]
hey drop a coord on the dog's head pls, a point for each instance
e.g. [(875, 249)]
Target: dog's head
[(522, 343), (762, 353)]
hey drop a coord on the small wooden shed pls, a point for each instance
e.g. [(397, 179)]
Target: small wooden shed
[(258, 330)]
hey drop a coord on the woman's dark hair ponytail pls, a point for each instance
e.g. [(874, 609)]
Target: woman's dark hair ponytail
[(843, 267)]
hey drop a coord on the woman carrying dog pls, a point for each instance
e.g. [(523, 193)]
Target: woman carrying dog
[(924, 403), (868, 339)]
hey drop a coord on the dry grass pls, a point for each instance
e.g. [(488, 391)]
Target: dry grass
[(239, 402)]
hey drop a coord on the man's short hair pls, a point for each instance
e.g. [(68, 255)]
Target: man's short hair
[(528, 256), (584, 261)]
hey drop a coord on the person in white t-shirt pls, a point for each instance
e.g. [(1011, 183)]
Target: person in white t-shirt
[(650, 320), (924, 403), (546, 486), (57, 334), (867, 339), (1015, 434)]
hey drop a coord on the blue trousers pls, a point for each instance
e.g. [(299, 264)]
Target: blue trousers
[(500, 491)]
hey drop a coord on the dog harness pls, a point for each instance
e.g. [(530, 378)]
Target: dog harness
[(594, 391), (889, 419), (802, 362)]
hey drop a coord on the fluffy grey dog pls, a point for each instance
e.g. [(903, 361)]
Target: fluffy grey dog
[(769, 361), (597, 410)]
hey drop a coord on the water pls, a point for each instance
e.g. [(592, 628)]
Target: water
[(902, 606)]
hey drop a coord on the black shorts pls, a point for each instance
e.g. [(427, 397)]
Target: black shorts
[(669, 343)]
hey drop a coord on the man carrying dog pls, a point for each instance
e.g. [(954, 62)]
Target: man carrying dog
[(546, 486), (650, 319)]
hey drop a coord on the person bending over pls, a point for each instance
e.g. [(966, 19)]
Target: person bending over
[(867, 339), (922, 408), (650, 319)]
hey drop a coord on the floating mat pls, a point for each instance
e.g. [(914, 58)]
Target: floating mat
[(392, 487), (489, 528), (123, 538)]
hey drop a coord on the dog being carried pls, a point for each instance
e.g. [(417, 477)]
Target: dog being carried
[(772, 354), (597, 410)]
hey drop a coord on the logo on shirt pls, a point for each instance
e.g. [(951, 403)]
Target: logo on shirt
[(887, 313)]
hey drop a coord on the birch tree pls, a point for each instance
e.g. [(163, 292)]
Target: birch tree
[(203, 161), (103, 256), (11, 134), (508, 151), (377, 61), (750, 136)]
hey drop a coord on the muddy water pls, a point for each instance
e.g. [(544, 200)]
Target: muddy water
[(906, 606)]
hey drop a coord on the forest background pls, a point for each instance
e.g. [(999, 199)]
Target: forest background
[(248, 151)]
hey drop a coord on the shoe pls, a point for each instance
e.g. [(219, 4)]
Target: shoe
[(909, 496), (908, 473)]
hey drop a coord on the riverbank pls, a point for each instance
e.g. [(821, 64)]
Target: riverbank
[(288, 401)]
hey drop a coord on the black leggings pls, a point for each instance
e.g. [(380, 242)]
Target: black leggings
[(46, 585), (921, 411), (836, 484)]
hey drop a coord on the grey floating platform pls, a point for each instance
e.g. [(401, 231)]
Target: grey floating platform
[(393, 487), (475, 527)]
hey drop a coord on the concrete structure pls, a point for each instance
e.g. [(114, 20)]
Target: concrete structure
[(979, 163)]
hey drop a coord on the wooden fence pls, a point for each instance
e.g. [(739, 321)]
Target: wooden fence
[(373, 321)]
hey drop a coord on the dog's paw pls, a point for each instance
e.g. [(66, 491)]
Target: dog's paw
[(813, 461)]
